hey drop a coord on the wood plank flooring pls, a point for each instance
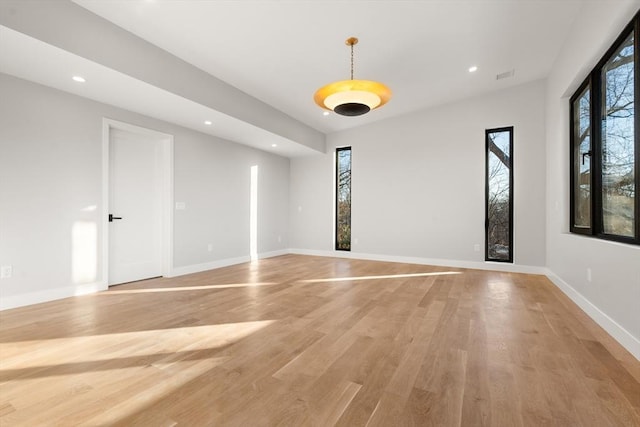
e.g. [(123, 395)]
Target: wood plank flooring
[(311, 341)]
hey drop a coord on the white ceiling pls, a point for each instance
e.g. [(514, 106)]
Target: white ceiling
[(31, 59), (281, 51)]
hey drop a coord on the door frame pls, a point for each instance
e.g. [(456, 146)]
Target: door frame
[(165, 141)]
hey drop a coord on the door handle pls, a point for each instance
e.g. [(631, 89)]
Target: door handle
[(111, 217)]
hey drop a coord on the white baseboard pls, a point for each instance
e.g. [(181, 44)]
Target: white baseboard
[(197, 268), (49, 295), (477, 265), (274, 253), (620, 334)]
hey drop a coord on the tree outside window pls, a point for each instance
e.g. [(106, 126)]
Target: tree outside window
[(343, 199), (499, 195)]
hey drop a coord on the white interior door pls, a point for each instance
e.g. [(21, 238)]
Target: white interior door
[(135, 202)]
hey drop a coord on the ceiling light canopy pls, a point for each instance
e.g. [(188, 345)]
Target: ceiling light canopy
[(352, 97)]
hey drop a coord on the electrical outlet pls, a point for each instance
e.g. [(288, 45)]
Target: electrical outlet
[(6, 271), (210, 247), (589, 275), (476, 247), (279, 239)]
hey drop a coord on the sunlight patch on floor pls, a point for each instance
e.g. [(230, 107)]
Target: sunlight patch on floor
[(389, 276), (187, 288), (96, 348), (184, 372)]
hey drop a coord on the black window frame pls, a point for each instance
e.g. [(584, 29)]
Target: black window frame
[(337, 190), (487, 132), (572, 182), (594, 82)]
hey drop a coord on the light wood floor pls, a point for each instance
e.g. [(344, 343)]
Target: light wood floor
[(296, 341)]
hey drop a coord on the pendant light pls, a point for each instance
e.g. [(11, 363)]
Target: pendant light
[(352, 97)]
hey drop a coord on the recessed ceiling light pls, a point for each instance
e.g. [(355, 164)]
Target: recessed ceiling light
[(274, 145), (208, 122), (473, 69), (79, 79), (326, 113)]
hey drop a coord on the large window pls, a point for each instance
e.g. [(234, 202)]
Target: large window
[(499, 195), (343, 199), (604, 145)]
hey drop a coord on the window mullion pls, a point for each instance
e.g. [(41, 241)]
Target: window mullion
[(577, 159), (596, 150), (636, 98)]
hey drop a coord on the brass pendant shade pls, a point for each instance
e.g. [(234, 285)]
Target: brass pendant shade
[(352, 97)]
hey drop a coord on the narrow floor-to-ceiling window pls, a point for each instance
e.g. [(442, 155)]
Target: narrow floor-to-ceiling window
[(499, 195), (604, 145), (343, 199), (581, 153)]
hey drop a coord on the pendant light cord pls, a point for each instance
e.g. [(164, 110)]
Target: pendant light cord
[(351, 61)]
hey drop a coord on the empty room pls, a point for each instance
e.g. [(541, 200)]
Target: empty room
[(319, 213)]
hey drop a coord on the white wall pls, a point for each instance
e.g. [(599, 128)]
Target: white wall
[(50, 172), (418, 188), (213, 179), (613, 295)]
